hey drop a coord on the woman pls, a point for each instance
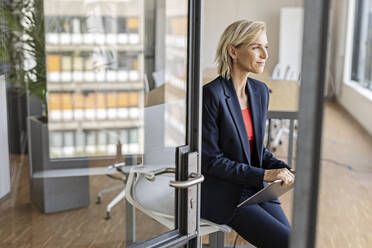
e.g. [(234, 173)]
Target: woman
[(235, 163)]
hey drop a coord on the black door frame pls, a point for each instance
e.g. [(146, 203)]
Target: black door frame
[(305, 203), (182, 235)]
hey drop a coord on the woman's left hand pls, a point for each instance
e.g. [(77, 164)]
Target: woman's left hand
[(279, 174)]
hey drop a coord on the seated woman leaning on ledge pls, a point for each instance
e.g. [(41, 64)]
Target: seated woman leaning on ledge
[(235, 162)]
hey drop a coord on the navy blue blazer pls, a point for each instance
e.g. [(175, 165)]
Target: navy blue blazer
[(231, 173)]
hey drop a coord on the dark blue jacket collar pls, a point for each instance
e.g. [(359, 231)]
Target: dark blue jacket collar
[(236, 113), (229, 89)]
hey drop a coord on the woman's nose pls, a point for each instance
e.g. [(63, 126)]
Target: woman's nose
[(264, 54)]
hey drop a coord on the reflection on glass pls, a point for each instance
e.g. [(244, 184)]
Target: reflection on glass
[(96, 113), (97, 104), (175, 72), (94, 72)]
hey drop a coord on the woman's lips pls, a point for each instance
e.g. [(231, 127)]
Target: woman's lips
[(261, 63)]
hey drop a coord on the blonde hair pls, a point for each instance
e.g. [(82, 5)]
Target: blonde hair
[(235, 34)]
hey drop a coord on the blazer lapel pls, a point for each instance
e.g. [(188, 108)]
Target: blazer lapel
[(254, 102), (236, 113)]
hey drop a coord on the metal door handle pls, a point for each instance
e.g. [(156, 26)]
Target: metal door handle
[(194, 179)]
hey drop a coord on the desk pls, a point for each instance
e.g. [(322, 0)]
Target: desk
[(283, 105), (283, 102)]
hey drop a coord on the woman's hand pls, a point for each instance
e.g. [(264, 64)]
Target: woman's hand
[(282, 174)]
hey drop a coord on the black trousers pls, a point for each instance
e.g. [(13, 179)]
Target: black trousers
[(263, 225)]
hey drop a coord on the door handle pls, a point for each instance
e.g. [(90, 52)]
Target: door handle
[(194, 179)]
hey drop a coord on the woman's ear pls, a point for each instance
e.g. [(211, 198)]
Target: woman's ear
[(232, 51)]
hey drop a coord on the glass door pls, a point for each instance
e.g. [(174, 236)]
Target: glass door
[(172, 125), (123, 95)]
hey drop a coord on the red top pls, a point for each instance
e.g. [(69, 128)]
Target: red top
[(248, 126)]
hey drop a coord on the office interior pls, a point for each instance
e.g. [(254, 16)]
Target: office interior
[(116, 76)]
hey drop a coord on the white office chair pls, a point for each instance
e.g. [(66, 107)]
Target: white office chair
[(124, 170), (281, 128), (147, 187), (120, 167), (285, 72), (148, 190)]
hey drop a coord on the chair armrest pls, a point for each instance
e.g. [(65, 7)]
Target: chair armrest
[(224, 228), (163, 218), (151, 175)]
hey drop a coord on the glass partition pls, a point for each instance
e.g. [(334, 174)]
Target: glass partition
[(116, 73), (116, 77)]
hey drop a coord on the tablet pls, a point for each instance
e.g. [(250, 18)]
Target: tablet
[(270, 192)]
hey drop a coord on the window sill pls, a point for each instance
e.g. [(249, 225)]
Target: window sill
[(361, 90)]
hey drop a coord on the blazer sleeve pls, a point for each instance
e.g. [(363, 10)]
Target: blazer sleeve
[(268, 159), (214, 162), (270, 162)]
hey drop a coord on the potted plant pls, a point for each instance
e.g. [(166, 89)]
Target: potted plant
[(23, 50), (23, 47)]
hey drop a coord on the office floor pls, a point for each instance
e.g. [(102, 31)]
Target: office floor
[(344, 212)]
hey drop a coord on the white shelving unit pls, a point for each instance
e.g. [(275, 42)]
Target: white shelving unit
[(97, 54)]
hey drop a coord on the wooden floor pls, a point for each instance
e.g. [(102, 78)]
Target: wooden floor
[(344, 212)]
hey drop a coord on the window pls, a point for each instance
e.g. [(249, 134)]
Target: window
[(94, 73), (362, 44)]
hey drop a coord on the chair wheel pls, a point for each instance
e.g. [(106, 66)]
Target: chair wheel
[(108, 216), (274, 149), (98, 200), (280, 142)]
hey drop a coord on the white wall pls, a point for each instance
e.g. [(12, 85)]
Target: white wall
[(4, 151), (358, 102), (290, 41), (337, 46), (218, 14)]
